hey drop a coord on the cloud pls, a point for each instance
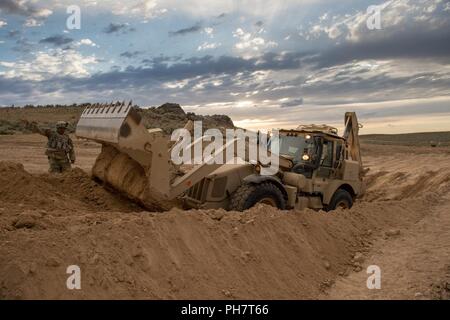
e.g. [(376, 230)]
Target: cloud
[(411, 45), (57, 40), (13, 33), (137, 77), (256, 8), (17, 7), (256, 88), (185, 31), (31, 22), (118, 27), (49, 65), (23, 45), (371, 81), (292, 103), (85, 42), (209, 31), (148, 9), (343, 63), (35, 15), (137, 9), (250, 43), (131, 54), (38, 18), (259, 23), (162, 59), (406, 115), (208, 46), (409, 29)]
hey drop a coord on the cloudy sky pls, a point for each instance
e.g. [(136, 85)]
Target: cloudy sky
[(266, 64)]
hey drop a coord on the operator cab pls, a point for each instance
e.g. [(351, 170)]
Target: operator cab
[(309, 151)]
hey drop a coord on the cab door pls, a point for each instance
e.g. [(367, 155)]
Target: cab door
[(326, 169)]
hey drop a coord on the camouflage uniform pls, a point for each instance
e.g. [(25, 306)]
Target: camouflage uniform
[(60, 151)]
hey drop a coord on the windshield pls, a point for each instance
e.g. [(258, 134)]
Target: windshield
[(292, 147)]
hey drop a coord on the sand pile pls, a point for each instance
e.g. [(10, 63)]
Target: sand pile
[(50, 222), (73, 190), (262, 253), (397, 178)]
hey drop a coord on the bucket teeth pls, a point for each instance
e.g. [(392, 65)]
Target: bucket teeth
[(102, 121)]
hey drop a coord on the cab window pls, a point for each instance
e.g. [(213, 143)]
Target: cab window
[(327, 154)]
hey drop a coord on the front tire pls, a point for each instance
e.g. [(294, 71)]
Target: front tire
[(247, 195), (341, 199)]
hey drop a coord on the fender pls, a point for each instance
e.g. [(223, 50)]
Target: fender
[(350, 187)]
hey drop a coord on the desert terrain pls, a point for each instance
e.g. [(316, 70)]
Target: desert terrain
[(48, 222)]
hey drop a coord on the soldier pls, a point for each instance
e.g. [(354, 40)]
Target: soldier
[(60, 151)]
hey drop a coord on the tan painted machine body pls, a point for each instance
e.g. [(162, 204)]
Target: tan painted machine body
[(317, 166)]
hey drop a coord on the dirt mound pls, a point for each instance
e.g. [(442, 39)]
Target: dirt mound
[(413, 176), (168, 117), (171, 116), (49, 222), (18, 187), (402, 185), (262, 253), (69, 191), (174, 108)]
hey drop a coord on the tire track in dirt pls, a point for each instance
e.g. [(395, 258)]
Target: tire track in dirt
[(415, 259), (414, 265)]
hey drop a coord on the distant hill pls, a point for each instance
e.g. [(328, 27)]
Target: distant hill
[(168, 117), (409, 139)]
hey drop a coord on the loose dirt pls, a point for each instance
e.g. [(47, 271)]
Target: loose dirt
[(49, 222)]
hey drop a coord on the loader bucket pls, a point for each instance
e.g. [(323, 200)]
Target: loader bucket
[(134, 160), (102, 122)]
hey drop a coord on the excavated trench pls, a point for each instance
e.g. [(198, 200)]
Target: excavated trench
[(50, 222)]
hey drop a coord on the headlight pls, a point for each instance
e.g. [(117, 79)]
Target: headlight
[(305, 157), (307, 137)]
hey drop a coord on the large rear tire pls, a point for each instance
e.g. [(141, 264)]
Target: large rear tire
[(247, 195), (341, 199)]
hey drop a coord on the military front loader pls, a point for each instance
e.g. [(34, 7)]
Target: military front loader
[(318, 168)]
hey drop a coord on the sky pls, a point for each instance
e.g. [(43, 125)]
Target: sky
[(266, 64)]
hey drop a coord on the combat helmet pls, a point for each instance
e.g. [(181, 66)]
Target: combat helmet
[(61, 124)]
